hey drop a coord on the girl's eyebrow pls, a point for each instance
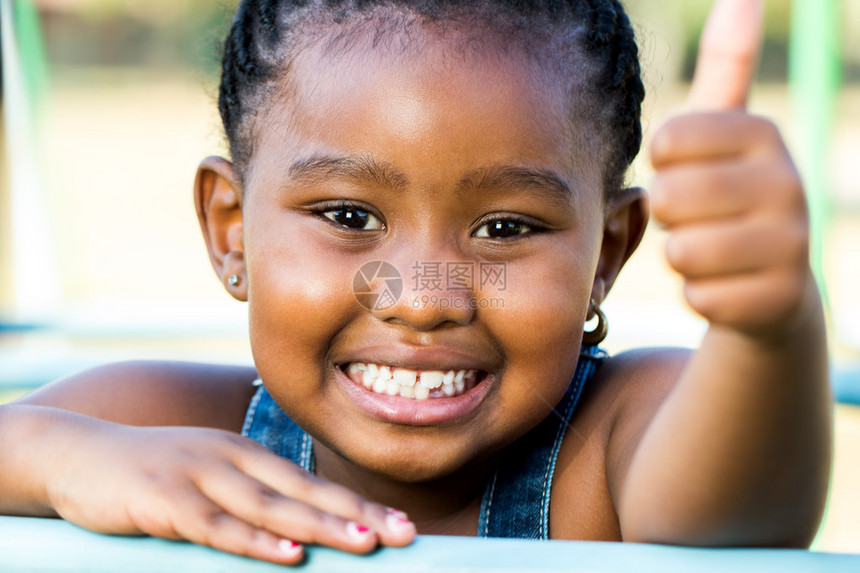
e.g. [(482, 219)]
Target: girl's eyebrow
[(358, 168), (518, 178), (363, 169)]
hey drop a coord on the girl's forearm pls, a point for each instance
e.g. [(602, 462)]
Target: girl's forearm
[(31, 438), (739, 454)]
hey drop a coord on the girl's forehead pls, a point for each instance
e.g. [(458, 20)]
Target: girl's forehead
[(465, 107)]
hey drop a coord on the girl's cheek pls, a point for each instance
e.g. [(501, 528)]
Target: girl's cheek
[(298, 299), (552, 301), (540, 318)]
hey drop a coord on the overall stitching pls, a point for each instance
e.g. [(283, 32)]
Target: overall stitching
[(252, 409), (307, 452), (556, 446), (484, 523), (523, 480)]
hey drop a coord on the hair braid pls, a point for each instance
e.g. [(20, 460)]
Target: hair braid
[(611, 33)]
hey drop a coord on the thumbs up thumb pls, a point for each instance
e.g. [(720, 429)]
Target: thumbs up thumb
[(728, 53)]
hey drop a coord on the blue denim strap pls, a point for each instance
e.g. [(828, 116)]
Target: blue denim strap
[(267, 424), (516, 498)]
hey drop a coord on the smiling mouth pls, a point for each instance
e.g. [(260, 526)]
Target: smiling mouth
[(414, 384)]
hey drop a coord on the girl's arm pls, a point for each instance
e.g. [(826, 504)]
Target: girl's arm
[(134, 393), (149, 393), (202, 484), (739, 452)]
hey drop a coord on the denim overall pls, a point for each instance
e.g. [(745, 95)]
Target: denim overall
[(516, 498)]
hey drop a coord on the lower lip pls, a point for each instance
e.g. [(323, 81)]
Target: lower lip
[(412, 412)]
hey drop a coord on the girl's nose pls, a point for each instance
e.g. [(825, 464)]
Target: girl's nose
[(433, 294)]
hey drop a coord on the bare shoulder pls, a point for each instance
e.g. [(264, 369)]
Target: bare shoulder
[(616, 407), (149, 393), (633, 384)]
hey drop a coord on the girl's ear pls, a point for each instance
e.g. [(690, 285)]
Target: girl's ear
[(625, 224), (218, 199)]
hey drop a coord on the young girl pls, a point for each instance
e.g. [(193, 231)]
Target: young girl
[(376, 146)]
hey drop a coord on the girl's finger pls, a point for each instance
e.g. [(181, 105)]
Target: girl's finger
[(710, 191), (390, 526), (737, 246), (728, 52), (749, 302), (714, 136), (189, 515), (259, 504)]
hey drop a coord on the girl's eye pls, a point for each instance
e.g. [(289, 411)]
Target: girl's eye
[(503, 229), (354, 218)]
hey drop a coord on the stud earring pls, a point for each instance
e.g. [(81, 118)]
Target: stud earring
[(596, 336), (234, 280)]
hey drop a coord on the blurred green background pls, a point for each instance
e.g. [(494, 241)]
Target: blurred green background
[(124, 108), (182, 34)]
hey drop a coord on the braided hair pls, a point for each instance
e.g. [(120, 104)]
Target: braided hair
[(266, 36)]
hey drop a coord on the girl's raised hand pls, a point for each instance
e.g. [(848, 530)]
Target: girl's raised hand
[(728, 193), (210, 487)]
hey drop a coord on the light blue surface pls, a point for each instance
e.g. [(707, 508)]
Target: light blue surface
[(846, 383), (31, 544)]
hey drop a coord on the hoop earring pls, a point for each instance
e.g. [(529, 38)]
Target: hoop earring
[(234, 280), (596, 336)]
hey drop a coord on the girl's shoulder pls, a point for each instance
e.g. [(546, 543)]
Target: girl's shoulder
[(150, 393), (627, 390), (616, 407), (629, 382)]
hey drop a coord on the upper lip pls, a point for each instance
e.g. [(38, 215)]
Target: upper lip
[(421, 358)]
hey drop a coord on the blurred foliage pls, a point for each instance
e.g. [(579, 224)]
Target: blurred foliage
[(188, 33), (153, 33)]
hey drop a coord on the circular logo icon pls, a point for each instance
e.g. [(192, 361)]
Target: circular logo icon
[(377, 285)]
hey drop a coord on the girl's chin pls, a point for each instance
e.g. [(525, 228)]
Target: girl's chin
[(411, 463)]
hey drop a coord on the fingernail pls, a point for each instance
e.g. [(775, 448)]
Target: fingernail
[(396, 512), (290, 548), (357, 531), (397, 523)]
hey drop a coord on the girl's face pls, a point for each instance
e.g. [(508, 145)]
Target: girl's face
[(464, 175)]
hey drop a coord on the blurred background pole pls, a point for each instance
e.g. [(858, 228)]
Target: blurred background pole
[(814, 74), (31, 272)]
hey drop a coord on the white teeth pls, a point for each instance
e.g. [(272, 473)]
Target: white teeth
[(380, 386), (366, 379), (431, 379), (384, 379), (405, 377)]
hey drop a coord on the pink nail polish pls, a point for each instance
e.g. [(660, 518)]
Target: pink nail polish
[(397, 523), (289, 548), (356, 530), (396, 512)]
